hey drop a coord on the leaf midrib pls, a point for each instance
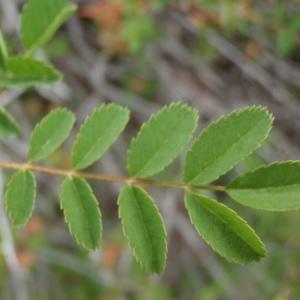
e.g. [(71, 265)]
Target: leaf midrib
[(96, 143), (24, 190), (225, 152), (159, 150), (64, 9), (84, 212), (9, 123), (56, 129), (231, 228), (155, 261)]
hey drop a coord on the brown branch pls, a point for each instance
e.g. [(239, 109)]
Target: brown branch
[(108, 178)]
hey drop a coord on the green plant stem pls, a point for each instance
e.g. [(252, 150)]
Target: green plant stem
[(104, 177)]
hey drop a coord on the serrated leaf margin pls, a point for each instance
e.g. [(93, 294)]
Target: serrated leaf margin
[(8, 187), (132, 249), (69, 224), (44, 120), (48, 67), (86, 120), (275, 163), (223, 118), (263, 248), (155, 116), (69, 8)]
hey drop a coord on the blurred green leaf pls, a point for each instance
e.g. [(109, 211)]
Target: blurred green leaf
[(286, 41), (139, 30), (230, 16), (295, 23), (26, 72), (3, 53), (8, 125), (41, 19), (280, 12)]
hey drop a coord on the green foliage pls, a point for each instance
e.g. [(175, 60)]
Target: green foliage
[(275, 187), (161, 139), (224, 230), (287, 40), (81, 212), (143, 226), (20, 197), (41, 19), (222, 145), (50, 133), (226, 142), (8, 125), (139, 30), (278, 23), (3, 53), (287, 36), (99, 131), (216, 151), (25, 72)]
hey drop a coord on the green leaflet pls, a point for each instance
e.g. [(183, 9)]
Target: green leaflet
[(50, 133), (275, 187), (99, 131), (225, 143), (81, 212), (3, 53), (41, 19), (20, 197), (8, 125), (286, 41), (161, 139), (26, 72), (224, 230), (144, 228)]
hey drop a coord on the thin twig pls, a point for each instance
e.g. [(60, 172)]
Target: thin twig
[(105, 177)]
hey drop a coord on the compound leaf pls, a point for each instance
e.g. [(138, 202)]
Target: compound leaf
[(50, 133), (161, 139), (99, 131), (41, 19), (20, 197), (144, 228), (225, 143), (275, 187), (224, 230), (26, 72), (82, 212), (8, 125)]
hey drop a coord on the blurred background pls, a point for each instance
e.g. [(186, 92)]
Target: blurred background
[(216, 55)]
